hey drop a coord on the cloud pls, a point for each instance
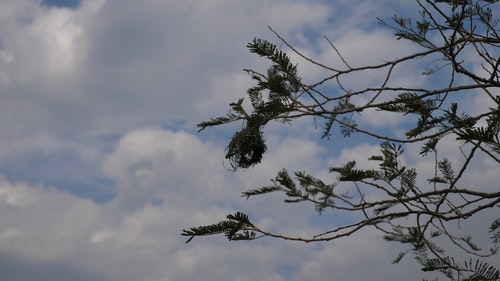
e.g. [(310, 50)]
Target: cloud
[(152, 163), (125, 238), (44, 226), (102, 68), (343, 258)]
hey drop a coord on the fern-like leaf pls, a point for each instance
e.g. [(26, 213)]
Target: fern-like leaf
[(495, 229), (260, 191), (235, 223), (482, 271)]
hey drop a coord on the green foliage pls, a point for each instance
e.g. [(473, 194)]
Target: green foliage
[(488, 134), (236, 227), (348, 124), (458, 36), (447, 173), (475, 270), (412, 236), (281, 84), (495, 229), (303, 187), (461, 12)]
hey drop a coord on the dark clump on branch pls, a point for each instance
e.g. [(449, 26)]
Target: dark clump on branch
[(246, 147)]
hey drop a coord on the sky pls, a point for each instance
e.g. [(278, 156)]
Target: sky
[(101, 165)]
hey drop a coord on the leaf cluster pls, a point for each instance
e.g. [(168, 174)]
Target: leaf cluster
[(303, 187), (236, 227), (478, 270), (272, 98)]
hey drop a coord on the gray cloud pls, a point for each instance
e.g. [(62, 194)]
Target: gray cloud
[(21, 269)]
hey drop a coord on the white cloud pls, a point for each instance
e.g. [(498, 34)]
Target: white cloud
[(41, 45), (113, 242), (151, 163), (102, 68), (358, 257), (42, 223)]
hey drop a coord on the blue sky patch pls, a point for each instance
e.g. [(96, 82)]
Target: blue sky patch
[(61, 3)]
